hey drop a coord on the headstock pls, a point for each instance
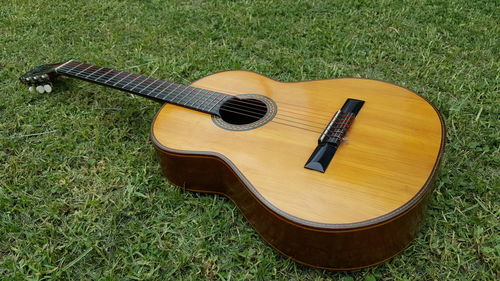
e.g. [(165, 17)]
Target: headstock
[(41, 77)]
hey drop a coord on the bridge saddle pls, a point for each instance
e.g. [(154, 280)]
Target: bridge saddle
[(333, 135)]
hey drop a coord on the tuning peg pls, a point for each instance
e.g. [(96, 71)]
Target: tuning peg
[(31, 89), (40, 89), (47, 88)]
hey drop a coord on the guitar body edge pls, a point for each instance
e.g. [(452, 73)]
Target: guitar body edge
[(268, 145), (342, 249)]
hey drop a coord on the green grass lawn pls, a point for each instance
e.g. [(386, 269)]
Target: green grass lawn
[(81, 193)]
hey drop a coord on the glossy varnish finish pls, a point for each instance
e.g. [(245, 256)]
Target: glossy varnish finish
[(363, 210)]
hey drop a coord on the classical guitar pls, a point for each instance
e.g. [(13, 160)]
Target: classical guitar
[(331, 173)]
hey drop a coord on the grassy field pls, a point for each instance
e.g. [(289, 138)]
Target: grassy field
[(81, 193)]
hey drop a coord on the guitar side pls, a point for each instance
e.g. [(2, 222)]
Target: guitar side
[(362, 211)]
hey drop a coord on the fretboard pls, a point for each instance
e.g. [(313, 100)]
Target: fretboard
[(187, 96)]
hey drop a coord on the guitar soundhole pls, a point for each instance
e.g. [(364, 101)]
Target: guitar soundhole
[(245, 112), (238, 111)]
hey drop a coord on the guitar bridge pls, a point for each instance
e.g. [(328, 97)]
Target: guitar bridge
[(333, 135)]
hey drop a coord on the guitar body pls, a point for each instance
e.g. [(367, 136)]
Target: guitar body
[(364, 209), (333, 173)]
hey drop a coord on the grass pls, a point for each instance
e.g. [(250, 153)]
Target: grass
[(81, 193)]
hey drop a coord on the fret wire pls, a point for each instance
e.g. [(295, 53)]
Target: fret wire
[(141, 88), (187, 95), (138, 76), (154, 80), (97, 79), (208, 93), (151, 91), (109, 76), (206, 99), (139, 83), (166, 96), (173, 99), (62, 65), (171, 84), (113, 76), (81, 73), (181, 95), (200, 103), (77, 72), (83, 70), (158, 80), (162, 83), (209, 98), (177, 96), (177, 91), (129, 83), (162, 97), (196, 101), (213, 105), (198, 98), (122, 80), (73, 71), (114, 79), (164, 89), (99, 68), (73, 68), (62, 68)]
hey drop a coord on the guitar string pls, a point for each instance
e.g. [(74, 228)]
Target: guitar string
[(248, 108), (88, 75), (248, 111), (334, 131), (138, 77), (236, 102), (156, 80), (226, 107), (120, 73)]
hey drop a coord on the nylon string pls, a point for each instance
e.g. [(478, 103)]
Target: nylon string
[(244, 106)]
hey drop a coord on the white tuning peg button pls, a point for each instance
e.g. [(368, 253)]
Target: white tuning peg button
[(47, 88), (40, 89), (31, 89)]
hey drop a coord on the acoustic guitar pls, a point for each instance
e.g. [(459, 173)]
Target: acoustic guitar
[(334, 174)]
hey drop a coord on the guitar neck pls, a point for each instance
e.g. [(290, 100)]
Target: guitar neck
[(156, 89)]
